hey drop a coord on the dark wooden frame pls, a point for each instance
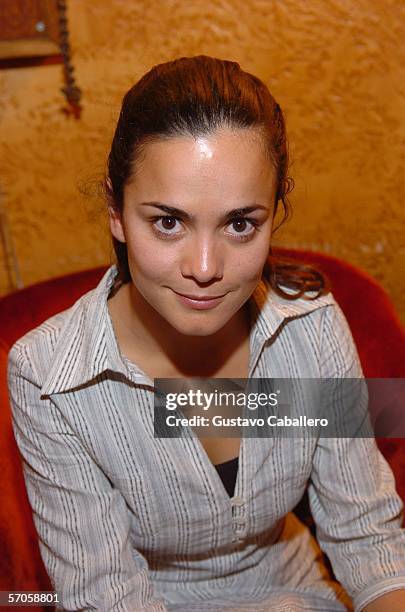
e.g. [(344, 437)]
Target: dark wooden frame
[(36, 48)]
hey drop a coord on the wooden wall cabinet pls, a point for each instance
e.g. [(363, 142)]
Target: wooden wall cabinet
[(29, 29)]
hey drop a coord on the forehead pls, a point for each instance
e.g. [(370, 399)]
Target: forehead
[(228, 159)]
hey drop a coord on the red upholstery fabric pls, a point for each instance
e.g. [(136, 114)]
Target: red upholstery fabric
[(21, 566), (377, 331), (25, 309), (375, 326)]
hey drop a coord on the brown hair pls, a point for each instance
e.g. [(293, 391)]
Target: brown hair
[(195, 96)]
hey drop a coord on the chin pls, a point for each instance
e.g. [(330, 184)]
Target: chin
[(200, 328)]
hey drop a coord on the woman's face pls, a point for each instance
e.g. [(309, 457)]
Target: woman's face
[(203, 248)]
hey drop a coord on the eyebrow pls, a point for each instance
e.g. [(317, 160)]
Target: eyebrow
[(182, 213)]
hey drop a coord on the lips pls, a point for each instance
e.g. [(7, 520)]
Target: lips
[(200, 298), (202, 302)]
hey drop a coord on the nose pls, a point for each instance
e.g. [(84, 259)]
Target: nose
[(203, 259)]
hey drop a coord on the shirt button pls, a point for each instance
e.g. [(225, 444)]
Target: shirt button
[(237, 539), (237, 501), (241, 523)]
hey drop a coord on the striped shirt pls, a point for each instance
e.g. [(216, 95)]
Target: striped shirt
[(132, 522)]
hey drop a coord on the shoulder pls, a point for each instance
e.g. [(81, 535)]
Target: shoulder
[(35, 351), (339, 352), (334, 331), (320, 324), (283, 309), (325, 308), (320, 321), (64, 337)]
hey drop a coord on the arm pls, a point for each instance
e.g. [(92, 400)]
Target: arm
[(82, 521), (390, 602), (352, 495)]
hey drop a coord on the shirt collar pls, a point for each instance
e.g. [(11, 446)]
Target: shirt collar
[(87, 346)]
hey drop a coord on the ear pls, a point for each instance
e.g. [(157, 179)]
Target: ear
[(116, 225)]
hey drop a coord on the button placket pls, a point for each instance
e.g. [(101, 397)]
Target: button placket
[(239, 522), (239, 503)]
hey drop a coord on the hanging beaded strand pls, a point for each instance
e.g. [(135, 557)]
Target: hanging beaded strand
[(71, 91)]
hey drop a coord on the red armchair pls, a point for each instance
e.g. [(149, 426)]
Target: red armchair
[(378, 334)]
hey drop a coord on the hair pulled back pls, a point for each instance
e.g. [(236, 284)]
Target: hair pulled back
[(194, 97)]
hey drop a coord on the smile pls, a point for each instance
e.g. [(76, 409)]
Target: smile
[(199, 302)]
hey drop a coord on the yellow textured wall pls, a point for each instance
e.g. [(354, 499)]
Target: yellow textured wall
[(337, 68)]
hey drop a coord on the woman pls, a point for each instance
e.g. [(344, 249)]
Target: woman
[(131, 521)]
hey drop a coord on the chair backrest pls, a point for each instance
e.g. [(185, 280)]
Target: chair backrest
[(27, 308), (374, 323), (21, 566)]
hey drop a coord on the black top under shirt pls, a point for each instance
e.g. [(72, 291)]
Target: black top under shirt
[(227, 472)]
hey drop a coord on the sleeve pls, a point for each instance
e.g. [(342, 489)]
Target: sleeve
[(352, 495), (82, 521)]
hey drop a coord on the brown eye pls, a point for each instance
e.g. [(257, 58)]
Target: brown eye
[(168, 222), (164, 225), (244, 228), (239, 224)]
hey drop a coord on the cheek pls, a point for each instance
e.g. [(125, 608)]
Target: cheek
[(148, 259), (249, 262), (247, 270)]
